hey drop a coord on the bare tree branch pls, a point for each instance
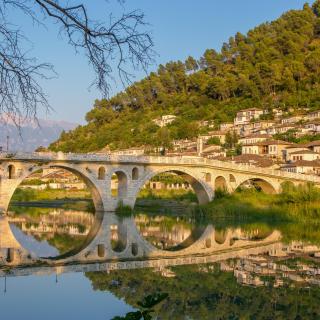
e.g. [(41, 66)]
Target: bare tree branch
[(20, 92), (114, 45)]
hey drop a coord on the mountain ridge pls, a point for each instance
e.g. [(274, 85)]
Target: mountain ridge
[(31, 133)]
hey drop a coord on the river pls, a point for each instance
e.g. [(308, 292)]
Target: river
[(205, 269)]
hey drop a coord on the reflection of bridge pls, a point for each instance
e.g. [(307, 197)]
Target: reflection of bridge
[(136, 250), (204, 175)]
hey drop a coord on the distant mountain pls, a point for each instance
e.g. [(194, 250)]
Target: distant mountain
[(32, 134)]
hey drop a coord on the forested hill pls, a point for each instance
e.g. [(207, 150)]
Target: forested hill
[(276, 65)]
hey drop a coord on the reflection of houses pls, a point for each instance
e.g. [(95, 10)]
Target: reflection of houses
[(246, 278), (160, 234), (250, 269), (70, 222), (165, 272)]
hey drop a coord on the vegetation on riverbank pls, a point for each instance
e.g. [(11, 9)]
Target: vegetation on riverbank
[(166, 194), (67, 199), (28, 194), (300, 203)]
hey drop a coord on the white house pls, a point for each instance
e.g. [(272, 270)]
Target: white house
[(246, 115), (164, 120), (304, 167), (306, 155), (313, 115)]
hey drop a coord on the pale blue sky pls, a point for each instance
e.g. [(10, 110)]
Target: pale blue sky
[(180, 28)]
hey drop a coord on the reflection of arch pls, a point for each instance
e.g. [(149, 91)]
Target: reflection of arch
[(135, 173), (118, 237), (11, 171), (220, 183), (81, 174), (259, 184), (202, 191), (134, 249), (101, 173), (122, 184), (101, 250), (232, 178), (208, 177)]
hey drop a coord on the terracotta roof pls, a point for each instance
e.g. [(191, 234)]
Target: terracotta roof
[(250, 109), (270, 142), (211, 148), (217, 132), (297, 145), (252, 159), (304, 152), (284, 125), (303, 163), (257, 135), (313, 143)]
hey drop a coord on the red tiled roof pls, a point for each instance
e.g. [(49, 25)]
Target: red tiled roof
[(252, 159), (303, 163), (270, 142), (304, 152)]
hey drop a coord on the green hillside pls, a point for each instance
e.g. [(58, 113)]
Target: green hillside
[(276, 65)]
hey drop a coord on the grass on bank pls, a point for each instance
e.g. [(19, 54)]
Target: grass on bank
[(301, 203), (79, 200), (29, 194), (165, 194)]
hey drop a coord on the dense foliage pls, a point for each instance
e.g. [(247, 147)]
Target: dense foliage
[(276, 65), (209, 295)]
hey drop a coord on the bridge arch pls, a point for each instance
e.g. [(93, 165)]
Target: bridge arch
[(135, 173), (80, 172), (208, 177), (202, 189), (259, 183), (232, 178), (220, 183), (101, 173), (11, 171)]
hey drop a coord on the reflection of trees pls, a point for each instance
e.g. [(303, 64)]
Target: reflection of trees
[(213, 295)]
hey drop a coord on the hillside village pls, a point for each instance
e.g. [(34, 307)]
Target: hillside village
[(256, 137)]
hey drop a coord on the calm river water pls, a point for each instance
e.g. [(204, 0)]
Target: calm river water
[(204, 269)]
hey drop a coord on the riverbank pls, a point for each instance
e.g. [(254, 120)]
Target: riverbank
[(53, 198), (292, 204)]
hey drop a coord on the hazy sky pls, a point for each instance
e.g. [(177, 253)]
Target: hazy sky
[(180, 28)]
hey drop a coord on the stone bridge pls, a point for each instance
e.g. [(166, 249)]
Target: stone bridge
[(136, 251), (96, 170)]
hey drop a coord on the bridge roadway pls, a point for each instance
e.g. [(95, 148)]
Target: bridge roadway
[(97, 254), (204, 175)]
